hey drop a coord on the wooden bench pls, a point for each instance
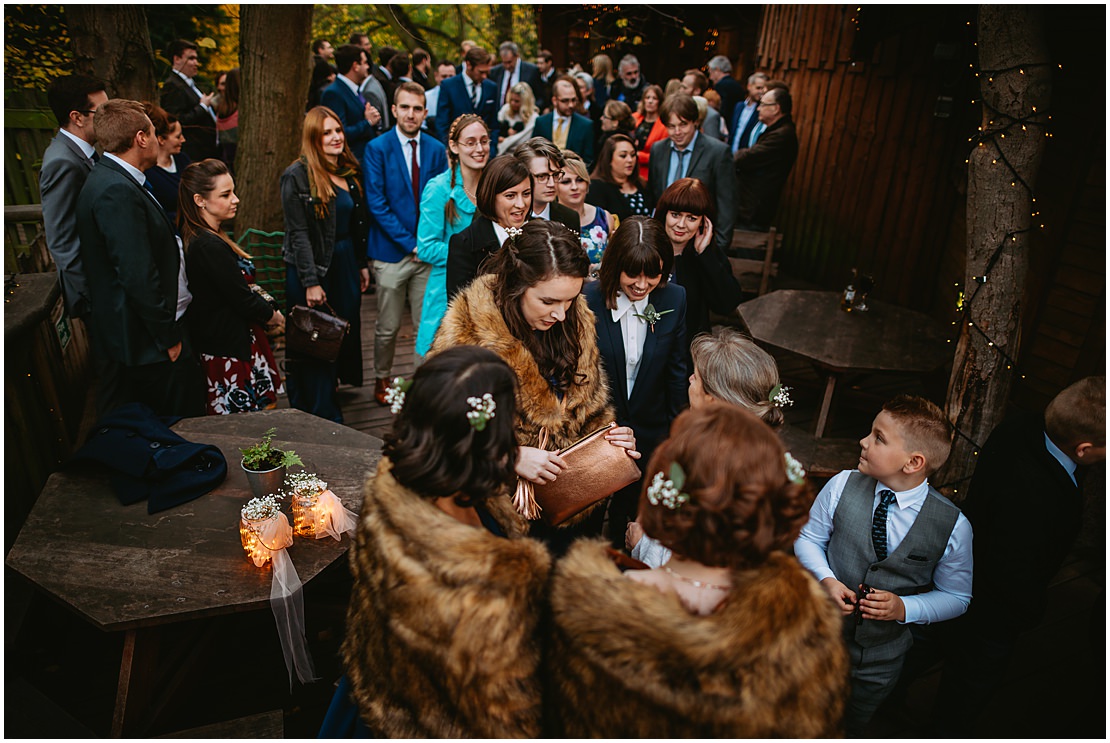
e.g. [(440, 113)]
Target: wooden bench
[(752, 257)]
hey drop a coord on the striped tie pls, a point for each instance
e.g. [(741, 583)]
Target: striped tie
[(878, 524)]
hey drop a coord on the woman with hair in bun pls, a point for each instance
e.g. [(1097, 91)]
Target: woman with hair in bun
[(528, 309), (442, 624), (729, 369), (732, 637)]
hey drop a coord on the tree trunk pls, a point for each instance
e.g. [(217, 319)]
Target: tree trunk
[(406, 30), (502, 25), (1002, 171), (112, 44), (271, 107)]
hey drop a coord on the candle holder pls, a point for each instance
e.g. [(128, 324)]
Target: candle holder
[(263, 529), (305, 489)]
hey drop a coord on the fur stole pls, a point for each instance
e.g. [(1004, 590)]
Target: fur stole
[(629, 662), (442, 637), (474, 319)]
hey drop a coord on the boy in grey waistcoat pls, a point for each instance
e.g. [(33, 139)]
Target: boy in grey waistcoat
[(888, 548)]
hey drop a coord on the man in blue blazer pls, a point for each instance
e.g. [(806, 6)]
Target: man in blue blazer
[(65, 166), (396, 167), (513, 70), (361, 121), (469, 93), (137, 292), (567, 129)]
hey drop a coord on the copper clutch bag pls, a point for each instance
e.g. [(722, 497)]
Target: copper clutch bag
[(595, 470)]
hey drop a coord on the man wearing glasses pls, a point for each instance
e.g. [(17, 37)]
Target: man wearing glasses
[(546, 164), (567, 129), (763, 167)]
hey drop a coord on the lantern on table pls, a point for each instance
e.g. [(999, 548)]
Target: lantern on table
[(317, 512), (263, 529)]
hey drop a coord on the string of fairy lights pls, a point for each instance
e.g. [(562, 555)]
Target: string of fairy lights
[(999, 124)]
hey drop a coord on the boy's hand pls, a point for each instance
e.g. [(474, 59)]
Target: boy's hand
[(633, 534), (840, 595), (883, 605)]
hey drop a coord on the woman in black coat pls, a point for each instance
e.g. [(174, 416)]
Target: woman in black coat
[(615, 183), (504, 200), (326, 223), (685, 210), (225, 317)]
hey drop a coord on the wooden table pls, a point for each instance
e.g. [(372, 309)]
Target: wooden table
[(883, 339), (126, 571)]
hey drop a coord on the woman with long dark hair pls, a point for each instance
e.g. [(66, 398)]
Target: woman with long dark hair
[(226, 317), (615, 183), (325, 255)]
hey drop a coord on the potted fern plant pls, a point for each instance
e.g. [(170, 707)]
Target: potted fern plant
[(265, 466)]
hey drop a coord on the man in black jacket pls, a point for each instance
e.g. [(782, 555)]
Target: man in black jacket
[(192, 107), (137, 290), (762, 169)]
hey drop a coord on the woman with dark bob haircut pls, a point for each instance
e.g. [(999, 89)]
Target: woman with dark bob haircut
[(528, 309), (615, 183), (504, 201), (686, 212), (447, 588), (732, 638), (641, 333)]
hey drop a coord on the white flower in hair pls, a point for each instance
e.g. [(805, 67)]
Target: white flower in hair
[(780, 396), (668, 491), (482, 410), (514, 232), (395, 395), (794, 470)]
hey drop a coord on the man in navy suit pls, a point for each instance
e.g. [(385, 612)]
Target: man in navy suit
[(469, 93), (133, 261), (567, 129), (744, 117), (513, 70), (396, 167), (182, 98), (65, 166), (686, 153), (719, 70), (361, 121)]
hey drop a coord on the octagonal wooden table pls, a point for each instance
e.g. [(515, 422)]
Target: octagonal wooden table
[(885, 338), (125, 570)]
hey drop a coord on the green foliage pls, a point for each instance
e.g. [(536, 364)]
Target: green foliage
[(213, 28), (37, 47), (262, 456)]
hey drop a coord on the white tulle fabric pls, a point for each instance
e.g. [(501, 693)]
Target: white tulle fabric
[(286, 598), (332, 518)]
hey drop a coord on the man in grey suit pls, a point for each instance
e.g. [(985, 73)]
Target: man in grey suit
[(65, 166), (137, 289), (686, 153)]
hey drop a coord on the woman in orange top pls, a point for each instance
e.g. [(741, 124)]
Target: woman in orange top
[(649, 126)]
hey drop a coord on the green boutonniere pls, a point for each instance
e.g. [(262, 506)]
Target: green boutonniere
[(651, 315)]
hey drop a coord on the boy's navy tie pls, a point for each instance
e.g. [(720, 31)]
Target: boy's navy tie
[(878, 523)]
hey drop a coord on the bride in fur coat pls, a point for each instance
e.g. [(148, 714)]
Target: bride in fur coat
[(442, 625), (528, 309), (731, 638)]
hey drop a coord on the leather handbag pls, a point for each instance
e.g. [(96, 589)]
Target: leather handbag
[(595, 470), (318, 335)]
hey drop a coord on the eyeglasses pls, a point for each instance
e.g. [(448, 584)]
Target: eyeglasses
[(764, 104), (609, 118), (470, 144), (545, 177)]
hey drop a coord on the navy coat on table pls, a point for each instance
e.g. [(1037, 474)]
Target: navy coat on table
[(389, 194), (454, 102), (662, 382), (352, 114)]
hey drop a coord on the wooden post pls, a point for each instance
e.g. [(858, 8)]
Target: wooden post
[(1015, 81)]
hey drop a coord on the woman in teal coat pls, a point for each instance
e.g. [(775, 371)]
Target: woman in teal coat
[(447, 207)]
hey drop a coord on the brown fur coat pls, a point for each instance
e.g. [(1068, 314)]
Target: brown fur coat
[(474, 319), (629, 662), (442, 626)]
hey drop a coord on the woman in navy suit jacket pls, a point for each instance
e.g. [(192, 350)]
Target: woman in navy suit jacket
[(641, 333)]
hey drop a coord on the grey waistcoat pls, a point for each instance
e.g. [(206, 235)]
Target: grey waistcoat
[(906, 571)]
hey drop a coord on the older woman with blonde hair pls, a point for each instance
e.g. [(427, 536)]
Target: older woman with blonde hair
[(517, 118)]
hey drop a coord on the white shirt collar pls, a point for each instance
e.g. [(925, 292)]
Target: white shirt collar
[(624, 304), (907, 498), (502, 234), (86, 148), (188, 80), (545, 214), (405, 139), (1065, 461), (687, 148), (349, 83), (132, 171)]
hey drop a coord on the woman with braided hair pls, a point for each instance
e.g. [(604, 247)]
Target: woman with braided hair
[(446, 209)]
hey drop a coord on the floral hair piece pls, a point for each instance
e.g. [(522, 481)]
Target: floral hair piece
[(668, 492), (482, 409), (780, 396), (395, 395), (514, 233), (794, 470)]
